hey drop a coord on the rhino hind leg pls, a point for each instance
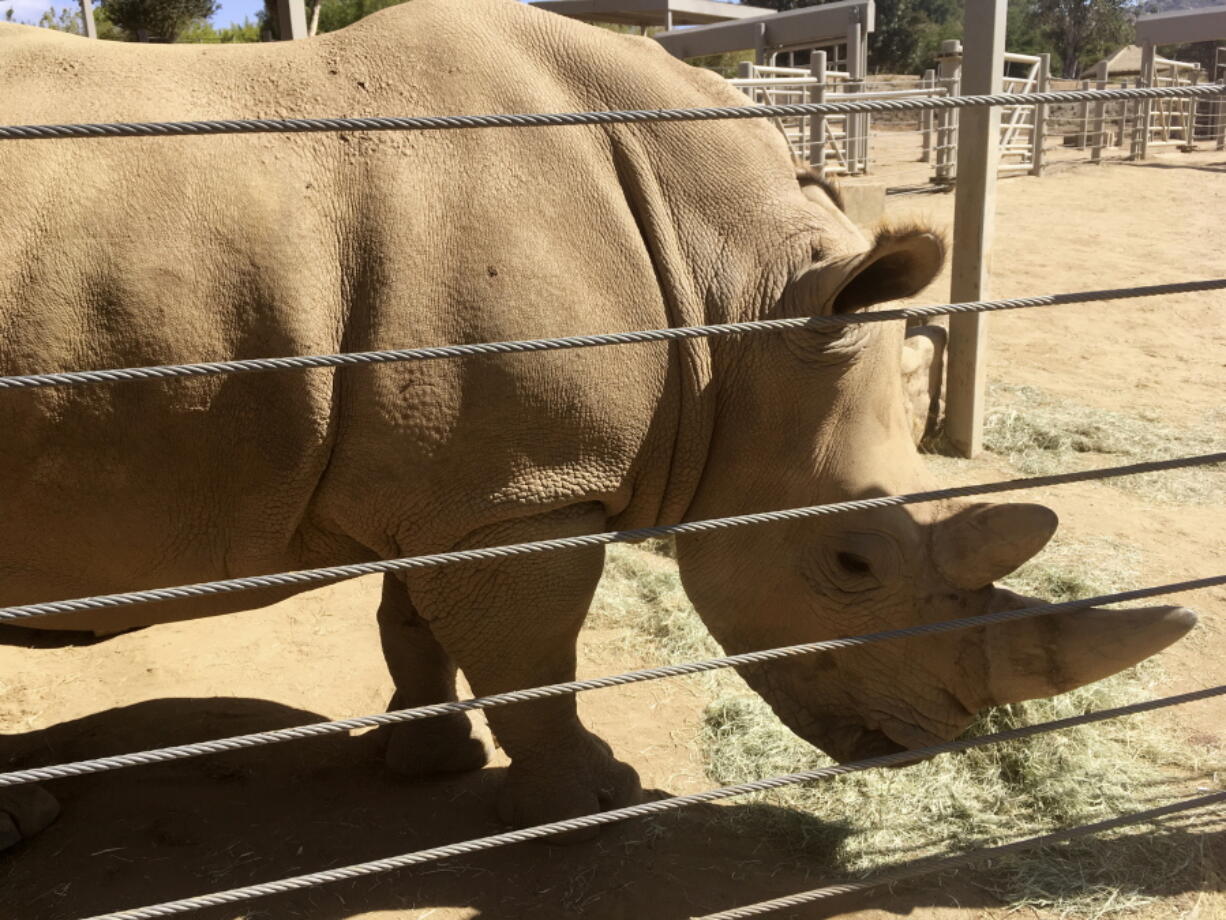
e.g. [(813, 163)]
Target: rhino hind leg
[(423, 674), (24, 811), (512, 624)]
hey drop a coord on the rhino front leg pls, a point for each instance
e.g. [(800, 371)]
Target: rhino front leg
[(423, 674), (514, 624)]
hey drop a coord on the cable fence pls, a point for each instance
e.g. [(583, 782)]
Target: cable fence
[(613, 816), (348, 359), (319, 575), (587, 541), (686, 669), (928, 867), (564, 119)]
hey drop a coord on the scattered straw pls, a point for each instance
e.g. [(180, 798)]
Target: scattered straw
[(1040, 434), (871, 820)]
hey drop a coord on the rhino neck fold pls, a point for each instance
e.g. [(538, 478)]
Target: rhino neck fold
[(671, 465)]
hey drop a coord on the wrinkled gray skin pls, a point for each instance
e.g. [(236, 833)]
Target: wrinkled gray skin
[(121, 253)]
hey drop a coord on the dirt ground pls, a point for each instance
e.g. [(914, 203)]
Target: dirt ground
[(145, 835)]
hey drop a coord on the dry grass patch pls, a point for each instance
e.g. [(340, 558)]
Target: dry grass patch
[(859, 823), (1041, 434)]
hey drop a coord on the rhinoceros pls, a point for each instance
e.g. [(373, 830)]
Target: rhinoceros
[(152, 251)]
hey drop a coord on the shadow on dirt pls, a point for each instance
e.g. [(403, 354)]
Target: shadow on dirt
[(1203, 167), (21, 637), (145, 835)]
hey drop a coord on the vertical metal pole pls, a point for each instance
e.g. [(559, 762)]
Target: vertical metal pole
[(1187, 109), (291, 19), (1083, 139), (87, 17), (668, 17), (759, 50), (974, 211), (1219, 65), (1101, 73), (926, 120), (949, 70), (1042, 84), (1123, 132), (1140, 131), (817, 123), (857, 124)]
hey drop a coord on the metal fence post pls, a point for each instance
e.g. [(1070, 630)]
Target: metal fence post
[(291, 19), (1043, 83), (87, 18), (1083, 139), (857, 124), (1187, 109), (817, 123), (1140, 130), (949, 70), (1219, 66), (974, 210), (926, 120), (1101, 72)]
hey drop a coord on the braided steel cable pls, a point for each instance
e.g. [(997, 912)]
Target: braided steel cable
[(556, 119), (309, 362), (928, 866), (540, 831), (586, 541), (341, 726)]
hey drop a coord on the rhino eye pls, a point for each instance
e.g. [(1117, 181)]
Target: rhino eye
[(853, 564)]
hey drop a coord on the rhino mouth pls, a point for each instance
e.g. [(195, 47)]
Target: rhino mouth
[(843, 735), (869, 743)]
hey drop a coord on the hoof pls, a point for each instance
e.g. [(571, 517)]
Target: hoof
[(444, 744), (24, 811), (536, 793)]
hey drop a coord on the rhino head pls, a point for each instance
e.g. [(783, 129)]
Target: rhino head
[(815, 416)]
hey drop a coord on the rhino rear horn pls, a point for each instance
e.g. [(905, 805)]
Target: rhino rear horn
[(985, 542)]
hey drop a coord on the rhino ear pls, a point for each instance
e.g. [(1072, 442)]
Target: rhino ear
[(902, 262), (985, 542)]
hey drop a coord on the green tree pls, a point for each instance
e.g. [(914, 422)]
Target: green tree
[(204, 33), (1081, 31), (907, 33), (158, 20), (69, 19), (333, 14)]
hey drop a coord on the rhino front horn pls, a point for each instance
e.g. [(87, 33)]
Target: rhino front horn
[(1051, 654), (984, 542)]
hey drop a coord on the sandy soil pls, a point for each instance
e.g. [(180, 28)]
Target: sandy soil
[(141, 836)]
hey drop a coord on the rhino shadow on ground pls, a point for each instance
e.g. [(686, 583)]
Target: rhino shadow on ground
[(140, 836), (21, 637)]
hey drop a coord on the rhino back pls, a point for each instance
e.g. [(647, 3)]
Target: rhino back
[(166, 250)]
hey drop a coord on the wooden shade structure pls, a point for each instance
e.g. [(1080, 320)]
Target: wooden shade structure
[(644, 13)]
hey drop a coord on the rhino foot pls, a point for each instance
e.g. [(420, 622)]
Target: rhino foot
[(567, 783), (445, 744), (24, 811)]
